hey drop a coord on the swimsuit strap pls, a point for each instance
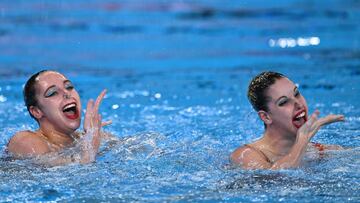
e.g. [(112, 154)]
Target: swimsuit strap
[(259, 151)]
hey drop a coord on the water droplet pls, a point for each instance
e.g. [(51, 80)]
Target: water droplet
[(2, 98), (157, 95), (115, 106)]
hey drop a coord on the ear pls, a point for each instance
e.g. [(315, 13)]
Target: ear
[(265, 117), (36, 112)]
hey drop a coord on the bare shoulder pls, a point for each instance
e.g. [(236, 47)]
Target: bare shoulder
[(27, 143), (241, 154), (249, 158)]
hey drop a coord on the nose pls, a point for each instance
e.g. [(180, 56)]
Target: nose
[(66, 96), (298, 104)]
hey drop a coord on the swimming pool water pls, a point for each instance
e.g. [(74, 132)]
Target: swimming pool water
[(176, 74)]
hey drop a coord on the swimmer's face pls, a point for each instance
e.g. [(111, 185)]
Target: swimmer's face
[(58, 102), (287, 107)]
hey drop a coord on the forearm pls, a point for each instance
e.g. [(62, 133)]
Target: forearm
[(88, 146), (333, 147), (106, 136)]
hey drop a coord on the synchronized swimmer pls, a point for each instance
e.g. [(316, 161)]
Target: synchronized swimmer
[(288, 130), (54, 103)]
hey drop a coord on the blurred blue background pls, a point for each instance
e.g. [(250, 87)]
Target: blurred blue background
[(146, 35)]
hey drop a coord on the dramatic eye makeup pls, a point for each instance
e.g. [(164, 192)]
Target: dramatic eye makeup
[(68, 85), (296, 92), (282, 101), (51, 91)]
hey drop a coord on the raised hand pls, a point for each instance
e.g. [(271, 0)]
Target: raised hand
[(92, 117), (310, 128), (92, 125)]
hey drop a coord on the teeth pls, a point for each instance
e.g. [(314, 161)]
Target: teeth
[(69, 106), (301, 115)]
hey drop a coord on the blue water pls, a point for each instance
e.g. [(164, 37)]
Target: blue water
[(177, 73)]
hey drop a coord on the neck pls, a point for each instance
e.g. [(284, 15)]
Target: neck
[(278, 143), (55, 137)]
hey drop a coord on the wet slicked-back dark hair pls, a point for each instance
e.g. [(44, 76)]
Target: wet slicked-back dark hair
[(29, 92), (258, 87)]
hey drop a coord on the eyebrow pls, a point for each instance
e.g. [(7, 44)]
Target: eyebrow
[(52, 86), (295, 88)]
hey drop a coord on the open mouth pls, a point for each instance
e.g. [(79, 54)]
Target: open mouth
[(70, 111), (299, 119)]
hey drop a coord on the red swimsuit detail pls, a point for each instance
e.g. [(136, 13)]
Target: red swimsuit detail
[(319, 146)]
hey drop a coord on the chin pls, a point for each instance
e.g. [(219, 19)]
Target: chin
[(296, 129), (73, 127)]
